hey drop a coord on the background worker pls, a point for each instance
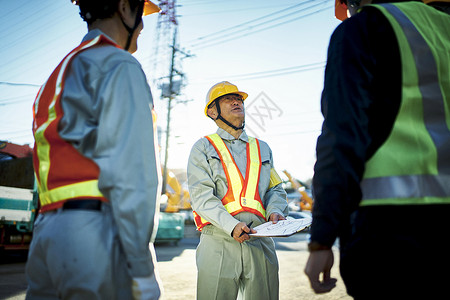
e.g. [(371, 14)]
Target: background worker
[(96, 166), (232, 182), (381, 182)]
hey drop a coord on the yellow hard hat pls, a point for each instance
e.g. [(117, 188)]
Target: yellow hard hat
[(150, 8), (221, 89)]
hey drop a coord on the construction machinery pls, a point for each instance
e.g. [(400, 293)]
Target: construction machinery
[(301, 200), (175, 211), (177, 196), (18, 196)]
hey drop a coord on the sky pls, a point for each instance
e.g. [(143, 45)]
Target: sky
[(273, 50)]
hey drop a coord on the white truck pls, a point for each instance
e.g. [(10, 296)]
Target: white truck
[(18, 196)]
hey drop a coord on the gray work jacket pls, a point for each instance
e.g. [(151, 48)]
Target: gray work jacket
[(107, 107), (208, 183)]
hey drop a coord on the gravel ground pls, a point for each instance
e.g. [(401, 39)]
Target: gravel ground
[(178, 271)]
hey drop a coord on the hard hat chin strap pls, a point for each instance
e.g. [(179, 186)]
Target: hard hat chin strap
[(136, 24), (219, 116)]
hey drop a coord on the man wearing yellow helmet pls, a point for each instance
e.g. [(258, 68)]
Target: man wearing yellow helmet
[(232, 184), (381, 180), (96, 166), (226, 91)]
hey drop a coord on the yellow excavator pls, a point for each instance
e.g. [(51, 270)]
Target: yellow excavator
[(306, 202), (175, 211), (177, 197)]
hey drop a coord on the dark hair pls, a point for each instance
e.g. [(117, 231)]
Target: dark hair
[(91, 10)]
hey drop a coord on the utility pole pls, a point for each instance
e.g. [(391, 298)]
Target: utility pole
[(169, 108), (167, 28)]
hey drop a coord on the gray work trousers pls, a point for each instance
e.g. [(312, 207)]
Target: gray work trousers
[(227, 268), (76, 254)]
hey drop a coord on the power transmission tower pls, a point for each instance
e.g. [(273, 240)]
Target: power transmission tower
[(167, 23)]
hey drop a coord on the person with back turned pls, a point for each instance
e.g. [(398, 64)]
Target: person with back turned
[(96, 166), (381, 181)]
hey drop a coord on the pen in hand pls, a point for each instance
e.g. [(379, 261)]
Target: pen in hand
[(248, 225)]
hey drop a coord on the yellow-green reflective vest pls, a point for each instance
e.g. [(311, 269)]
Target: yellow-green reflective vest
[(413, 165)]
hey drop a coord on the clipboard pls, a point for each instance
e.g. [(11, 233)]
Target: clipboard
[(282, 228)]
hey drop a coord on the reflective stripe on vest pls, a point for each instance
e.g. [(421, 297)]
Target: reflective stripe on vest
[(432, 186), (54, 159), (242, 195)]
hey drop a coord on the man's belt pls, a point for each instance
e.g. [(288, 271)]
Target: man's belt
[(87, 204)]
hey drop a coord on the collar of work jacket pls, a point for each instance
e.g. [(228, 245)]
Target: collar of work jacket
[(94, 33), (228, 137)]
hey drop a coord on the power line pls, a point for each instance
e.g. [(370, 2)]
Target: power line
[(27, 21), (227, 39), (207, 2), (19, 84), (272, 73), (20, 57), (283, 71), (50, 47), (239, 26), (252, 8)]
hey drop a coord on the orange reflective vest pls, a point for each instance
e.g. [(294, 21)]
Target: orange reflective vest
[(242, 195), (61, 171)]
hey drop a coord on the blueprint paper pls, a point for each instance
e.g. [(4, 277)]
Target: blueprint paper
[(282, 228)]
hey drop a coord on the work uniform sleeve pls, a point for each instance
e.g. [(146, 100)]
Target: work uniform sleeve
[(129, 170), (275, 197), (202, 190), (118, 135)]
